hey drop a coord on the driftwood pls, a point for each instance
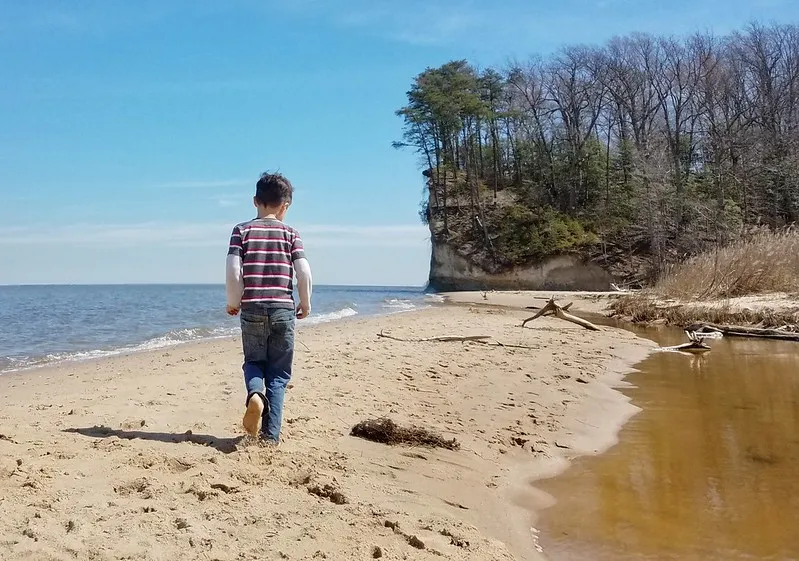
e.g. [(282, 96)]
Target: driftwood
[(441, 339), (564, 308), (480, 339), (553, 309), (696, 344), (741, 331)]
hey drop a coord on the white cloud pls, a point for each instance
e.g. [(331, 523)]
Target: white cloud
[(229, 202), (419, 25), (190, 252), (193, 234), (365, 231), (363, 236), (415, 21)]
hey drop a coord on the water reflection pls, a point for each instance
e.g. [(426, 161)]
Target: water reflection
[(708, 470)]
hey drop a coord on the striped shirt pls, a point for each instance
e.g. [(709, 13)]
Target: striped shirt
[(268, 249)]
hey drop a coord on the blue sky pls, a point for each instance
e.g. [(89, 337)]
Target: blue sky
[(131, 133)]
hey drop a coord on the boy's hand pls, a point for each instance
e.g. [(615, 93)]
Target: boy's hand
[(303, 311), (231, 311)]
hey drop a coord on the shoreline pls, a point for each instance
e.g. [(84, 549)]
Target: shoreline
[(595, 429), (74, 357), (513, 410)]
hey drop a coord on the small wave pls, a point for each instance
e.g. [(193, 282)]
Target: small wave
[(399, 305), (331, 316), (178, 336), (170, 339)]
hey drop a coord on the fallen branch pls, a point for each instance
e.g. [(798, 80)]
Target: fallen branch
[(552, 312), (741, 331), (696, 344), (480, 339), (441, 339), (552, 308), (506, 345)]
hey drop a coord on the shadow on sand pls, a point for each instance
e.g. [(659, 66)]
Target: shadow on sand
[(224, 445)]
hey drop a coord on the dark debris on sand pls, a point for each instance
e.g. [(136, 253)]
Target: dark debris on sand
[(386, 431), (328, 492)]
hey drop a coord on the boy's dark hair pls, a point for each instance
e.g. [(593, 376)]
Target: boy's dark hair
[(273, 189)]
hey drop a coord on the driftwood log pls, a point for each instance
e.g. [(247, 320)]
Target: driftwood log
[(440, 339), (696, 344), (741, 331), (564, 308), (553, 309), (480, 339)]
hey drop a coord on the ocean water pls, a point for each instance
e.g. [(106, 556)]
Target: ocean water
[(41, 325)]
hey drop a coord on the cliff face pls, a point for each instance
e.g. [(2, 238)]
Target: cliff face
[(450, 271), (477, 244)]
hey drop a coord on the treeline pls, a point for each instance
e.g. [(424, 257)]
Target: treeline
[(647, 144)]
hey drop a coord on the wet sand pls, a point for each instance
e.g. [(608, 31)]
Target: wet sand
[(140, 457)]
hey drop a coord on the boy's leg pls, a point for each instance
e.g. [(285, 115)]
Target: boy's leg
[(254, 336), (280, 350)]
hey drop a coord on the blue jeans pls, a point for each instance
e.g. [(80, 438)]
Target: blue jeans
[(268, 341)]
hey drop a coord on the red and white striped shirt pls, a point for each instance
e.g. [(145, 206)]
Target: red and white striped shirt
[(268, 250)]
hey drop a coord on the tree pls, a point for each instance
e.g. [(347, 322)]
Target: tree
[(664, 146)]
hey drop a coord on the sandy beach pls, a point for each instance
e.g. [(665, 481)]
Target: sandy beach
[(140, 457)]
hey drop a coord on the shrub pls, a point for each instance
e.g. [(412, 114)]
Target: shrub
[(765, 262), (525, 234)]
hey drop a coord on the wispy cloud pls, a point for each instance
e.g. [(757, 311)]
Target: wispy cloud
[(229, 202), (192, 234), (76, 88), (416, 22), (204, 184), (119, 235), (57, 20), (421, 24), (102, 18), (66, 19), (402, 235)]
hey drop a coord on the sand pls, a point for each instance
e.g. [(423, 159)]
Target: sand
[(584, 301), (141, 457)]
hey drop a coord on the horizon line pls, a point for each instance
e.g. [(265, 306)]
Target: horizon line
[(342, 285)]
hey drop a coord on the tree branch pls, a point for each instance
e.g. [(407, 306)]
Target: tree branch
[(552, 308)]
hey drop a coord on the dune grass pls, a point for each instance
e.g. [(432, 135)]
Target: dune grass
[(703, 288), (761, 264)]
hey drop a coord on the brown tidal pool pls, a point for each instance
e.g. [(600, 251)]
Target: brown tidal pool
[(709, 469)]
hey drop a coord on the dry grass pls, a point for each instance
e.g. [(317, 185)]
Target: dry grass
[(763, 263), (646, 308), (702, 289)]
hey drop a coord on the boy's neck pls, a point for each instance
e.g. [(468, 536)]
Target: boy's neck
[(268, 213)]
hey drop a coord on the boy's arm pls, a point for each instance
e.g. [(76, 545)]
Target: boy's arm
[(304, 285), (304, 277), (234, 283)]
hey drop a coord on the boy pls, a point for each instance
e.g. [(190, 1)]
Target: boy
[(262, 258)]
